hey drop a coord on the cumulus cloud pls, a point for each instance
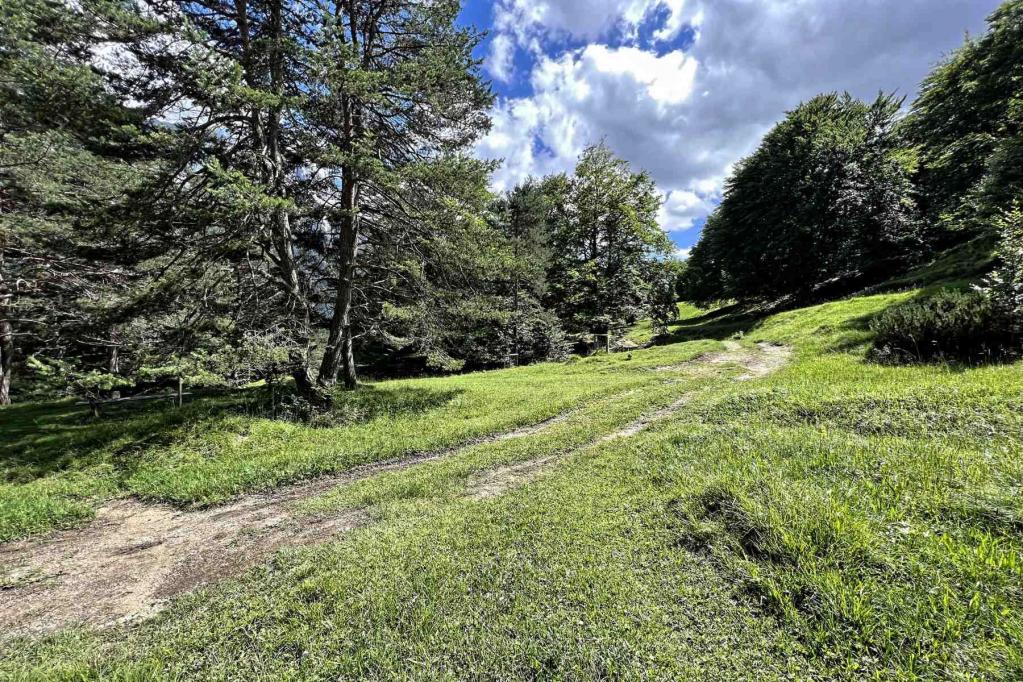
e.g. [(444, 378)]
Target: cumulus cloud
[(623, 95), (682, 208), (687, 110), (586, 19), (500, 61)]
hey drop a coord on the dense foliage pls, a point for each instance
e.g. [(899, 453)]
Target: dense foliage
[(1004, 287), (981, 325), (589, 250), (309, 131), (843, 193), (950, 326), (978, 326), (827, 195), (609, 245), (68, 153), (221, 192), (967, 125)]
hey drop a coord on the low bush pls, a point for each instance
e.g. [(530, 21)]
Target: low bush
[(1004, 286), (952, 326)]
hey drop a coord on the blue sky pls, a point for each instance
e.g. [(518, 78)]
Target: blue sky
[(685, 88)]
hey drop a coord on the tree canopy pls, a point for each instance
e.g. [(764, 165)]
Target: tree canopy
[(218, 192), (608, 242), (844, 192), (827, 195), (967, 124)]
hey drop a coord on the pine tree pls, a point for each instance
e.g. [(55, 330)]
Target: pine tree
[(315, 124), (65, 139), (525, 218)]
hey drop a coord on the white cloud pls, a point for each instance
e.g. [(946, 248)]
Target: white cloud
[(587, 19), (622, 95), (682, 254), (500, 61), (688, 116), (527, 24), (682, 208), (667, 80)]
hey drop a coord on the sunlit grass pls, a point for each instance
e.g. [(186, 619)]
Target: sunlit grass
[(58, 462), (837, 520)]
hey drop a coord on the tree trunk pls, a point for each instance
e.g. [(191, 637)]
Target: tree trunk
[(268, 146), (281, 235), (307, 388), (6, 361), (114, 366), (515, 296), (6, 334), (339, 356), (348, 372)]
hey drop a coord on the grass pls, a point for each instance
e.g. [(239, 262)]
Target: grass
[(642, 333), (837, 520), (961, 265), (58, 463)]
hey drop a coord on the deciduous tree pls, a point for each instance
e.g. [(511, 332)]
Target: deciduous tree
[(607, 235), (825, 199)]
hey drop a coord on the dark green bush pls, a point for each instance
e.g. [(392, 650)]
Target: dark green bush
[(950, 326)]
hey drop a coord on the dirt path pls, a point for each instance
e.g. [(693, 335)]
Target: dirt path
[(768, 359), (495, 482), (135, 556)]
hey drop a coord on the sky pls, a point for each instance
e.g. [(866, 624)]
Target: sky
[(685, 88)]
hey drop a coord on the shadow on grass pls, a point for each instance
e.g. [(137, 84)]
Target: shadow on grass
[(718, 324), (958, 266), (43, 439), (370, 402), (850, 334)]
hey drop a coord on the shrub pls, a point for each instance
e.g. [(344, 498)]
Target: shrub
[(950, 326), (1004, 287), (541, 337)]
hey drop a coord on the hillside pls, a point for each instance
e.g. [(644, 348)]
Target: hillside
[(511, 340), (751, 500)]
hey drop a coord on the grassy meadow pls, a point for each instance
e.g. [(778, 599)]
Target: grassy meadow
[(58, 462), (838, 519)]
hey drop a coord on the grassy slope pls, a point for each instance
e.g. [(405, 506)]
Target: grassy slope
[(57, 463), (642, 332), (837, 520)]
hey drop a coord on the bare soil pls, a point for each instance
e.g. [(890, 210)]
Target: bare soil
[(765, 360), (496, 482), (136, 556)]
